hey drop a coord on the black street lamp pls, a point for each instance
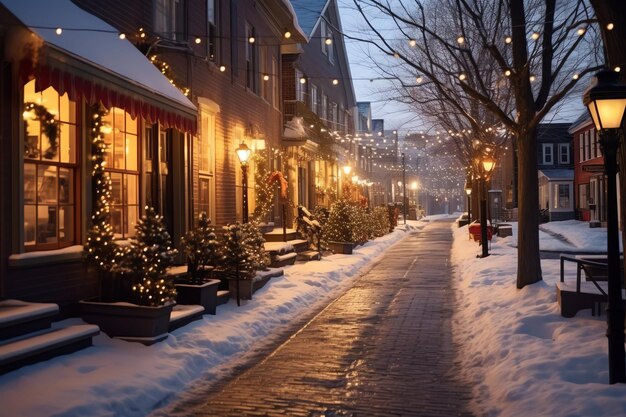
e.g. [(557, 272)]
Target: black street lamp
[(487, 164), (468, 191), (243, 152), (606, 101)]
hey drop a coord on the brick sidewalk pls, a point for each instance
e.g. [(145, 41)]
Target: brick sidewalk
[(384, 348)]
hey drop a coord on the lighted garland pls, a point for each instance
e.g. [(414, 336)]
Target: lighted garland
[(263, 190), (100, 249), (49, 126)]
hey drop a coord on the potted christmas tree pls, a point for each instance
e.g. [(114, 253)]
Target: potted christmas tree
[(338, 229), (201, 249), (239, 261), (144, 262)]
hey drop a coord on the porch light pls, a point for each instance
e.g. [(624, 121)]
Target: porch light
[(243, 153)]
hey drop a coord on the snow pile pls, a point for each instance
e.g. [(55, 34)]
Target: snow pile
[(127, 379), (522, 357)]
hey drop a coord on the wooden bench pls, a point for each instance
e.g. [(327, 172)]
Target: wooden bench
[(591, 293)]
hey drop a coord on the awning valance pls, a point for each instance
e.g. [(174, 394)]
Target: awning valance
[(88, 60)]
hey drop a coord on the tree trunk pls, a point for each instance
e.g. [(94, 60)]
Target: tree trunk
[(528, 261)]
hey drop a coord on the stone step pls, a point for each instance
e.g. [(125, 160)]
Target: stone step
[(44, 345), (222, 297), (276, 235), (20, 317), (309, 255)]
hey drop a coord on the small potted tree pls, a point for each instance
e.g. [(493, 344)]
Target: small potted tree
[(146, 317), (338, 229), (201, 249), (239, 262)]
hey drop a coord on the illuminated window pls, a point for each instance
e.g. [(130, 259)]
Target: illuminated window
[(206, 162), (50, 166), (122, 167)]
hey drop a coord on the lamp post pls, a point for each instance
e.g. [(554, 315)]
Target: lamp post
[(606, 101), (468, 191), (243, 152), (488, 165), (403, 187)]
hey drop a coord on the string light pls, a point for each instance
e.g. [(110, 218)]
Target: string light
[(266, 77), (122, 36), (576, 76), (532, 78), (462, 76), (287, 34), (610, 26), (222, 68), (328, 41), (302, 80), (460, 40), (581, 31), (508, 40), (507, 73), (58, 31), (335, 81), (418, 80), (535, 36), (617, 69), (198, 40), (412, 43), (251, 39)]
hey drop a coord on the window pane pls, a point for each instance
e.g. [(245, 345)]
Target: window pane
[(47, 224), (29, 184), (30, 224), (132, 214), (116, 221), (132, 189), (66, 186), (118, 150), (131, 152), (131, 125), (116, 188), (50, 99), (66, 223), (47, 184), (67, 143)]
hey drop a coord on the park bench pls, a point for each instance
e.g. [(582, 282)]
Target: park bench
[(590, 293)]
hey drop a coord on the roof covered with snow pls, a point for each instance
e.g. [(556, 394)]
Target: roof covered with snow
[(94, 41)]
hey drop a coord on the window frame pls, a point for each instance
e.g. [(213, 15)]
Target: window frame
[(72, 166), (547, 157), (564, 157)]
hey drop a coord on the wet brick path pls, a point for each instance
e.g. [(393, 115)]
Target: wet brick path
[(383, 348)]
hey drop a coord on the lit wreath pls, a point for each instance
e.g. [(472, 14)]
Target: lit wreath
[(49, 125)]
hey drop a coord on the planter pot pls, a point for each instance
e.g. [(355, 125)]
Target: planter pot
[(245, 288), (341, 247), (202, 294), (128, 321)]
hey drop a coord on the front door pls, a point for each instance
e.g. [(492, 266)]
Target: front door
[(158, 183)]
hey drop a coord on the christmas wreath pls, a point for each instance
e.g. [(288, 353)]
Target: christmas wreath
[(49, 126), (278, 176)]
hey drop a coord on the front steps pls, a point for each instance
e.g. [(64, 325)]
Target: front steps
[(26, 336)]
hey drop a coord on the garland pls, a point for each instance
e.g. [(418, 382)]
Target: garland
[(49, 125), (278, 176)]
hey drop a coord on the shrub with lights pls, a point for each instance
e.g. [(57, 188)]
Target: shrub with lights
[(150, 254), (254, 240), (339, 227), (100, 249), (201, 248), (380, 221), (237, 257)]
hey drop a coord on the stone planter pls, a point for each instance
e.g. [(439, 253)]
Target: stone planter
[(341, 247), (202, 294), (245, 288), (128, 321)]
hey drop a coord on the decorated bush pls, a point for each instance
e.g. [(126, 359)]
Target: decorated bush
[(201, 248), (149, 256), (339, 227), (254, 239), (380, 221), (237, 255)]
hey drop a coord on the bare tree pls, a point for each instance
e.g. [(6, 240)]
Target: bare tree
[(514, 58)]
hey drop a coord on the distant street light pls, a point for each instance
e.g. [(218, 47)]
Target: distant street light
[(404, 204), (468, 191), (606, 101)]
